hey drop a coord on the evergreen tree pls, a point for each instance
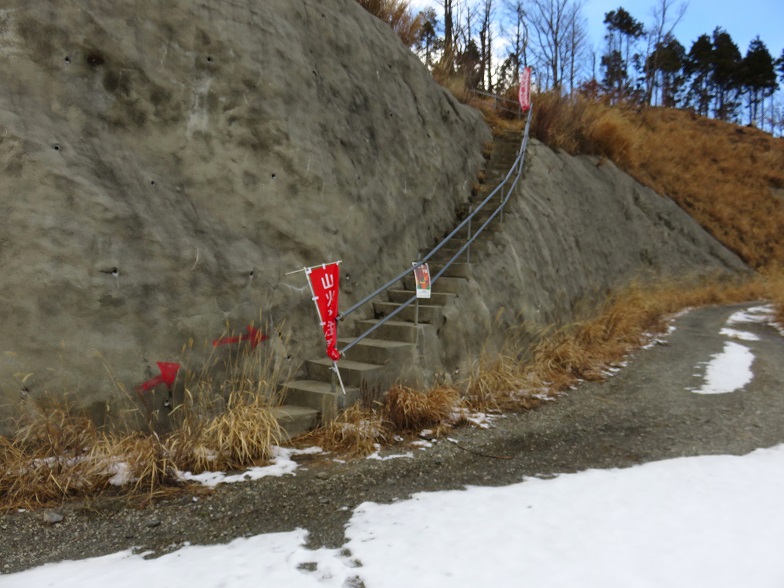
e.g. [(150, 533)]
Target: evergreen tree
[(698, 69), (666, 64), (623, 31), (429, 41), (468, 63), (726, 74), (780, 64), (757, 76)]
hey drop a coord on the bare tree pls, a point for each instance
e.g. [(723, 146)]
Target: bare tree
[(517, 34), (666, 16), (486, 45), (575, 44), (449, 32), (549, 20)]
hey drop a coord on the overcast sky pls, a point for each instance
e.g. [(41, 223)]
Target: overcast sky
[(742, 20)]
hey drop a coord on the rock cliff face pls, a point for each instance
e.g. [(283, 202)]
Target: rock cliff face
[(575, 229), (164, 165)]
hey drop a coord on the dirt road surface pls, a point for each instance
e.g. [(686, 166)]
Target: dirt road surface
[(647, 411)]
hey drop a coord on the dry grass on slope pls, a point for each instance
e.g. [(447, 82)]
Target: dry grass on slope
[(727, 177), (520, 379)]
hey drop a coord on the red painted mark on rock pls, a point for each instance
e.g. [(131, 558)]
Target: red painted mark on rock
[(168, 375), (253, 335)]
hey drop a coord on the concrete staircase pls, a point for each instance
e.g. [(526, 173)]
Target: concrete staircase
[(374, 364)]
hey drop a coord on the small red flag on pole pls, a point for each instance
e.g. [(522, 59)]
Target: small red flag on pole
[(524, 95)]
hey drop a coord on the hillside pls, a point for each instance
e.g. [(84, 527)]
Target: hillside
[(163, 178), (162, 173), (729, 178)]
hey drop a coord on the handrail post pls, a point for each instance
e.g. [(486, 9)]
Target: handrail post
[(502, 206), (468, 251)]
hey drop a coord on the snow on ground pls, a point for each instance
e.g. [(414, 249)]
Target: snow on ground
[(699, 521), (281, 465), (730, 370)]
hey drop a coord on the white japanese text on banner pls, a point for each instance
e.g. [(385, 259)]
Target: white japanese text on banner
[(325, 284)]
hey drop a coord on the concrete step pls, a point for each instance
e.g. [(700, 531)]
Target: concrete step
[(444, 255), (427, 313), (295, 420), (394, 330), (449, 249), (482, 215), (319, 396), (494, 226), (436, 298), (354, 373), (444, 284), (458, 269), (379, 351)]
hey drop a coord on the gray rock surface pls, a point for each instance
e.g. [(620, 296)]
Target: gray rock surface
[(161, 176), (576, 228), (163, 167)]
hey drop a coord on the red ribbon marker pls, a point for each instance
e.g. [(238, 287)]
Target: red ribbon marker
[(168, 375), (255, 336)]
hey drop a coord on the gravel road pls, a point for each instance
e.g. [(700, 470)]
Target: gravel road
[(645, 412)]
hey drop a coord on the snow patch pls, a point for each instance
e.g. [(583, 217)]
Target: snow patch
[(728, 371), (282, 464)]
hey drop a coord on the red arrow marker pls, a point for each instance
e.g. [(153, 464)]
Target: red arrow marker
[(168, 375), (254, 335)]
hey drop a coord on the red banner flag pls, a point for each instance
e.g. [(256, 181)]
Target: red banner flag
[(325, 285), (524, 96)]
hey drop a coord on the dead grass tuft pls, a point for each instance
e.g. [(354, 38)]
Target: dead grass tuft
[(54, 454), (398, 15), (356, 432), (244, 434), (410, 410), (361, 430)]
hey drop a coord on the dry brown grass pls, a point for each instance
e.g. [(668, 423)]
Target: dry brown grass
[(405, 412), (518, 379), (724, 175), (398, 15), (410, 410), (355, 432), (53, 454), (224, 421)]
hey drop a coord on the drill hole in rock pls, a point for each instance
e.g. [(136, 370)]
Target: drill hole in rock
[(56, 147), (67, 59), (94, 59)]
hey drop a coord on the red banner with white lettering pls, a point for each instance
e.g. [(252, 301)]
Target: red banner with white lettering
[(524, 96), (325, 285)]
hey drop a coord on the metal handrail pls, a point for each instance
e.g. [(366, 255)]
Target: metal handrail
[(517, 169)]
